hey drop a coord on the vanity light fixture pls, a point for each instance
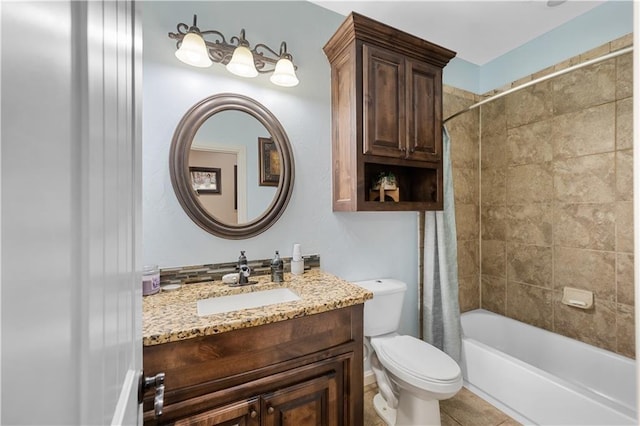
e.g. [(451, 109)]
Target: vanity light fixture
[(238, 56)]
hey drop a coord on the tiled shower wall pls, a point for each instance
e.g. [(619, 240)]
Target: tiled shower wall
[(555, 202), (465, 143)]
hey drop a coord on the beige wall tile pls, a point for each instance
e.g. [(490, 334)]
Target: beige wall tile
[(493, 222), (494, 293), (586, 269), (530, 264), (465, 185), (624, 76), (494, 118), (534, 103), (575, 90), (624, 123), (622, 42), (530, 143), (468, 263), (626, 331), (494, 187), (530, 224), (588, 179), (529, 304), (454, 100), (596, 52), (493, 152), (469, 292), (624, 175), (624, 279), (494, 258), (530, 183), (587, 131), (589, 226), (624, 226), (464, 148), (467, 223), (593, 326)]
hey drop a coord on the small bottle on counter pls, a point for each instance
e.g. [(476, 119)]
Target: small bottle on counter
[(297, 262), (277, 269), (150, 280)]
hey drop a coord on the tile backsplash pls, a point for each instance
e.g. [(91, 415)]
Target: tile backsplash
[(215, 271)]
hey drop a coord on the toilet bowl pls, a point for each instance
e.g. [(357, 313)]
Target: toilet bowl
[(412, 375)]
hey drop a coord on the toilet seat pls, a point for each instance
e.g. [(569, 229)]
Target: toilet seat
[(418, 363)]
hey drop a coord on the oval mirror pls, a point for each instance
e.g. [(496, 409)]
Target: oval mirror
[(231, 166)]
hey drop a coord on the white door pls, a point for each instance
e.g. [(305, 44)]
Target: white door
[(71, 219)]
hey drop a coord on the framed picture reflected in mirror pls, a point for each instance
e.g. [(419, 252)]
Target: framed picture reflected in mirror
[(205, 180), (269, 173)]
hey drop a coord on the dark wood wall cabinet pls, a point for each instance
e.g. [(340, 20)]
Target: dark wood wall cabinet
[(300, 372), (386, 101)]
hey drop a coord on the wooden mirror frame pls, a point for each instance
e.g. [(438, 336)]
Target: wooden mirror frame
[(179, 165)]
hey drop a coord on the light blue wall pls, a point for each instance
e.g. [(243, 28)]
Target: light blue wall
[(598, 26)]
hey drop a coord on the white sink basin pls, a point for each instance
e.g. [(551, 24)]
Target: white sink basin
[(234, 302)]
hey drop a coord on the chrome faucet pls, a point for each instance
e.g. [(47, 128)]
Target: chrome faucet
[(243, 269)]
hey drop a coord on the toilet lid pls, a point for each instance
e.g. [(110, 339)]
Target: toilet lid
[(411, 359)]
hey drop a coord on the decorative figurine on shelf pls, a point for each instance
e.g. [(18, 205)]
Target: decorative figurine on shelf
[(385, 180), (384, 186)]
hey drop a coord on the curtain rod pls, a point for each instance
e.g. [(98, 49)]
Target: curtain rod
[(541, 79)]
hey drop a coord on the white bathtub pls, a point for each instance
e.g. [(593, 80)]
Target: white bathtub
[(539, 377)]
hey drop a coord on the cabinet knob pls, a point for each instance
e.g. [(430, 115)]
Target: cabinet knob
[(253, 414), (270, 410)]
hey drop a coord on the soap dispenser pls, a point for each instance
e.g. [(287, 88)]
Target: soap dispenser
[(277, 269)]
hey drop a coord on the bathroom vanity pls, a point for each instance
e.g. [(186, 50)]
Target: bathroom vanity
[(292, 363)]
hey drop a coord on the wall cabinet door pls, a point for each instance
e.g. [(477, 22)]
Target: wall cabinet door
[(424, 112), (384, 102)]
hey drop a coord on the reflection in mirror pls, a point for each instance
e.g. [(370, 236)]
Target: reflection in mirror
[(228, 139), (231, 166)]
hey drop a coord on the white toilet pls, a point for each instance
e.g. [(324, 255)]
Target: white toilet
[(412, 375)]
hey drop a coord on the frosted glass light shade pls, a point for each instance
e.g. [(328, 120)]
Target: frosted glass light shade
[(242, 63), (193, 51), (284, 74)]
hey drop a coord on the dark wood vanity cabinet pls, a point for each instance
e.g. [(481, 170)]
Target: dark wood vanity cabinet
[(298, 372), (386, 100)]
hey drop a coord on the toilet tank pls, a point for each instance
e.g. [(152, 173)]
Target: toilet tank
[(382, 313)]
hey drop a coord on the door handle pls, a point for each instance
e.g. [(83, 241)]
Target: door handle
[(157, 382)]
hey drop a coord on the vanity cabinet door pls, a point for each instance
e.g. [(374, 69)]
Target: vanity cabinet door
[(311, 403), (243, 413)]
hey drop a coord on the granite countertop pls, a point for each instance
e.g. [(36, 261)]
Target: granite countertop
[(171, 316)]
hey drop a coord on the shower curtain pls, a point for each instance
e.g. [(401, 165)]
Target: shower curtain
[(441, 311)]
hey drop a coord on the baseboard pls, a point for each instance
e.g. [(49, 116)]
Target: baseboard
[(369, 377)]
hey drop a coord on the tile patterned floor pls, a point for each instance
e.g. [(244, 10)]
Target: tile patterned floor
[(464, 409)]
